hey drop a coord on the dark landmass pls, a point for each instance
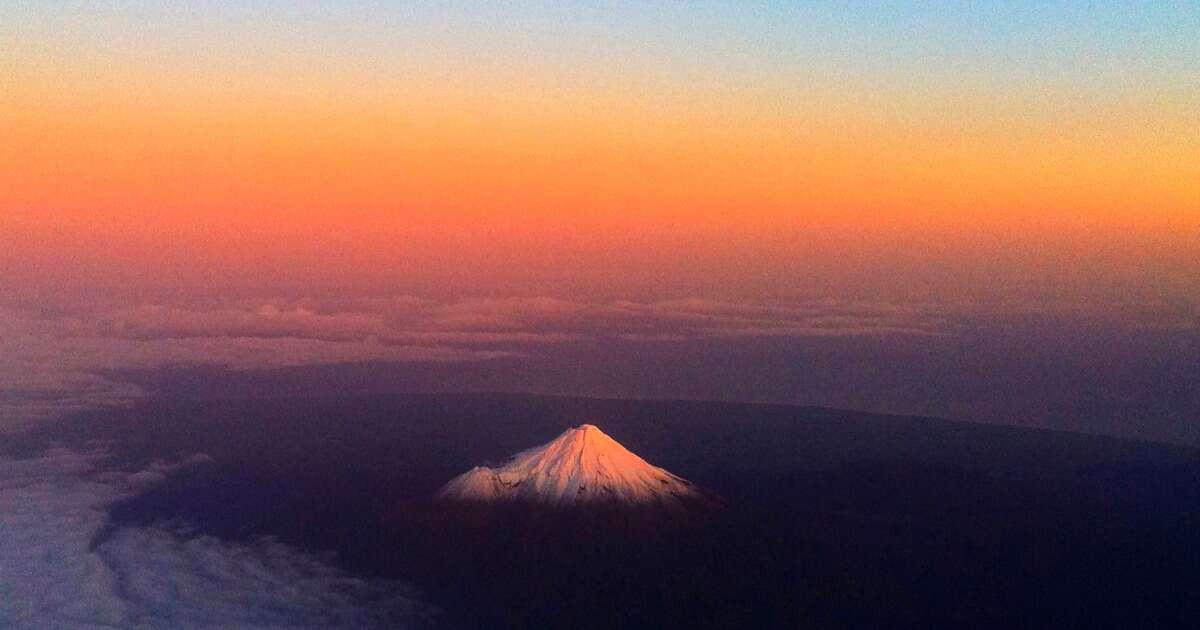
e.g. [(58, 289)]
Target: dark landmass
[(830, 518)]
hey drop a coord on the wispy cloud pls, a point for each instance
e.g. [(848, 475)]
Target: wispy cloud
[(50, 366), (159, 577), (58, 361)]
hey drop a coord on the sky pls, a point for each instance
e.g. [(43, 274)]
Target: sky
[(172, 172)]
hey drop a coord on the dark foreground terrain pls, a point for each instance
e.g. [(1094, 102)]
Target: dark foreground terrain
[(830, 518)]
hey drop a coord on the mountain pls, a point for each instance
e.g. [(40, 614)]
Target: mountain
[(583, 465), (832, 519)]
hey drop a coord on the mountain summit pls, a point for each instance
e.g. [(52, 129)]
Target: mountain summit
[(583, 465)]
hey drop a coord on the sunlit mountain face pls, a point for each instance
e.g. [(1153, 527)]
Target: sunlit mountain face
[(275, 278), (582, 466)]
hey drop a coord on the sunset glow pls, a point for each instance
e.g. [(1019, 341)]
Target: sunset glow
[(376, 144), (599, 315)]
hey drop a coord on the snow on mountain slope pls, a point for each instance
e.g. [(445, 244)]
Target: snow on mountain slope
[(583, 465)]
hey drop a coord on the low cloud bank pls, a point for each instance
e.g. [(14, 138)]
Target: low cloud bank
[(54, 361), (51, 575)]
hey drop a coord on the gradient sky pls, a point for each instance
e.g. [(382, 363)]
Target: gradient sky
[(637, 147), (265, 185), (982, 211)]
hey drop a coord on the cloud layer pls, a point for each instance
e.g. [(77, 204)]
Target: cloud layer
[(51, 575), (60, 362), (54, 361)]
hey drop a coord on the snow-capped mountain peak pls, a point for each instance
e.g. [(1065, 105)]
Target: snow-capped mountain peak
[(583, 465)]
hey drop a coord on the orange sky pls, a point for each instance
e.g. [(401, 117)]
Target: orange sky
[(125, 166)]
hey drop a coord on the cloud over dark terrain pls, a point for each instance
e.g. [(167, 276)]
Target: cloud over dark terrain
[(959, 359), (58, 571)]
